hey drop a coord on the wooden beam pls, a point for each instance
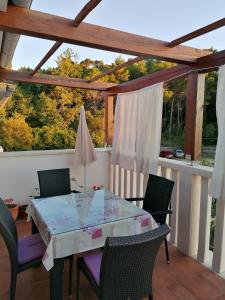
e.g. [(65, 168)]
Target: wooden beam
[(109, 119), (46, 57), (211, 61), (198, 32), (79, 18), (37, 24), (119, 67), (204, 64), (157, 77), (16, 76), (85, 11), (194, 115)]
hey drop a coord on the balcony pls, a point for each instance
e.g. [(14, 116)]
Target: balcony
[(187, 277)]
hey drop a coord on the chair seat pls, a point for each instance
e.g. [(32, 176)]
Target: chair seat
[(93, 263), (30, 248)]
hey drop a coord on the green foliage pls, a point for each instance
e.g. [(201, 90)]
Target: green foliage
[(210, 134), (53, 137), (137, 70), (15, 134), (41, 116)]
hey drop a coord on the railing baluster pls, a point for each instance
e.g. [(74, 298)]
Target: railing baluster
[(141, 185), (138, 188), (163, 171), (145, 182), (111, 178), (116, 180), (218, 263), (204, 222), (174, 207), (121, 189), (128, 184), (125, 184)]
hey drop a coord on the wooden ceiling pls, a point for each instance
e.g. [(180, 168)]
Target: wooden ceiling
[(62, 30)]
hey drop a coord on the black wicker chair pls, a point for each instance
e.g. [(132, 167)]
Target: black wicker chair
[(124, 269), (24, 253), (157, 200), (56, 182)]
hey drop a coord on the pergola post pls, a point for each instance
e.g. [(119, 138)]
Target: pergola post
[(109, 119), (194, 115)]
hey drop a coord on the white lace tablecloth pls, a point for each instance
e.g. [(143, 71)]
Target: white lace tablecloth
[(76, 223)]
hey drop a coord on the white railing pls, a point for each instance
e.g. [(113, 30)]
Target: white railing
[(18, 171), (191, 206)]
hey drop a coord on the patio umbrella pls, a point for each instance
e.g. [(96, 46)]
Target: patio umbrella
[(84, 149)]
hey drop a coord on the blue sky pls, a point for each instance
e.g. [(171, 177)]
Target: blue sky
[(162, 19)]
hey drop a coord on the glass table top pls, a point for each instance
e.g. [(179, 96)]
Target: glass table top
[(77, 211)]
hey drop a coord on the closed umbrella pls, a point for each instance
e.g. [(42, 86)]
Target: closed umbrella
[(84, 149)]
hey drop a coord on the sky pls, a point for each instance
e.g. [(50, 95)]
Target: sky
[(161, 19)]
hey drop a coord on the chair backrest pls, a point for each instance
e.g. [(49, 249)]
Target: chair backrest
[(9, 233), (54, 182), (157, 196), (127, 265)]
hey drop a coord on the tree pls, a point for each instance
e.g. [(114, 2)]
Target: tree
[(53, 137), (137, 70), (52, 113), (15, 134)]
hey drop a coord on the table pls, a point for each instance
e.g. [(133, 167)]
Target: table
[(75, 223)]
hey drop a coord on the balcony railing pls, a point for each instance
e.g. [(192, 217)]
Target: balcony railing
[(191, 204)]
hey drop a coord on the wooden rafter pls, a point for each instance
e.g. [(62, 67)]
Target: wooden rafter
[(198, 32), (85, 11), (204, 64), (211, 61), (156, 77), (79, 18), (208, 63), (46, 57), (16, 76), (119, 67), (37, 24)]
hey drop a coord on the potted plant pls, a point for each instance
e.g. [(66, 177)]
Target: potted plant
[(22, 214), (12, 206)]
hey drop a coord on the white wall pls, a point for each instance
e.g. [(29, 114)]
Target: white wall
[(18, 171)]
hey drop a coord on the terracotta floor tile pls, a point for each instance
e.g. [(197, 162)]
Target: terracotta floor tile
[(200, 287), (216, 280), (164, 294), (181, 292), (183, 279), (221, 298)]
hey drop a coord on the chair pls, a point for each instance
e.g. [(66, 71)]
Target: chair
[(24, 253), (124, 269), (56, 182), (157, 200)]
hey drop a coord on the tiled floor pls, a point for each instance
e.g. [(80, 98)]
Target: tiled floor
[(183, 279)]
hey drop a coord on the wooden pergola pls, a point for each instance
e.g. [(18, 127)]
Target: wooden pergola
[(191, 62)]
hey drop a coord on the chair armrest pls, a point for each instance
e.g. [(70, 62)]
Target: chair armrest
[(134, 199), (164, 212)]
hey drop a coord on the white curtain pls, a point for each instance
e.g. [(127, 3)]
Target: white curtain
[(217, 185), (137, 133)]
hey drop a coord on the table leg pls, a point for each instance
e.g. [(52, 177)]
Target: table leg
[(56, 280)]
